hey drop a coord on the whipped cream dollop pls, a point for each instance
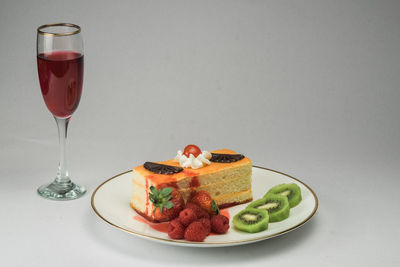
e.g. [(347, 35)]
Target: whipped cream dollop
[(193, 162)]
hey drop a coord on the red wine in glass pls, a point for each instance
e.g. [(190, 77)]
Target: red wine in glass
[(61, 78), (60, 69)]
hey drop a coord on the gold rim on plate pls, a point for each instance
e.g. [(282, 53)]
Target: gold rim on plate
[(251, 240), (40, 31)]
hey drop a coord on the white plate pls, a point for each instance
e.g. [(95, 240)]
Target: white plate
[(111, 199)]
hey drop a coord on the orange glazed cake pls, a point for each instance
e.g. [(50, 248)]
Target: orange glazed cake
[(224, 174)]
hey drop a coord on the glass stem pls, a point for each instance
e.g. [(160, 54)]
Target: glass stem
[(62, 174)]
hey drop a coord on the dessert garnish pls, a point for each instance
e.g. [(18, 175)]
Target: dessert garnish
[(196, 232), (193, 157), (191, 149), (161, 168), (219, 224), (273, 207), (168, 203), (225, 158), (194, 222), (277, 207), (206, 223), (197, 210), (176, 230), (251, 220), (204, 201), (291, 191), (187, 216)]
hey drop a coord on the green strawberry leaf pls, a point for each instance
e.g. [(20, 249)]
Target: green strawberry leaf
[(161, 198), (151, 197), (214, 207), (166, 191), (169, 205), (154, 190)]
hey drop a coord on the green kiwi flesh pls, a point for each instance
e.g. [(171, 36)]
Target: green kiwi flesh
[(277, 206), (291, 191), (251, 220)]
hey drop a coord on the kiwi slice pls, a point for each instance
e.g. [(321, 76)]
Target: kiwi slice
[(277, 207), (251, 220), (291, 191)]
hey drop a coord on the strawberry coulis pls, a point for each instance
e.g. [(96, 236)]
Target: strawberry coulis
[(173, 184), (194, 183), (160, 227), (147, 197)]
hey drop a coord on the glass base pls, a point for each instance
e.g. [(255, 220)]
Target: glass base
[(61, 191)]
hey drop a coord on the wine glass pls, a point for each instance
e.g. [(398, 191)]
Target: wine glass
[(60, 69)]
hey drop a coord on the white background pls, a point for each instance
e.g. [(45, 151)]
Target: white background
[(309, 88)]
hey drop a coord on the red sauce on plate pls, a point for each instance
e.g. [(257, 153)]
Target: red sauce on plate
[(161, 227)]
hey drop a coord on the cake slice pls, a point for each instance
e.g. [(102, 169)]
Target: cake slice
[(227, 178)]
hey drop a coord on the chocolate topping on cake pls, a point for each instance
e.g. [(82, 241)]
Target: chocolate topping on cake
[(225, 158), (161, 168)]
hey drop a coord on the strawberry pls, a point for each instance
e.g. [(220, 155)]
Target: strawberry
[(167, 202), (195, 232), (204, 201), (219, 224), (191, 149)]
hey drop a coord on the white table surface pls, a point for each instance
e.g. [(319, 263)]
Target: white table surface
[(310, 88)]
